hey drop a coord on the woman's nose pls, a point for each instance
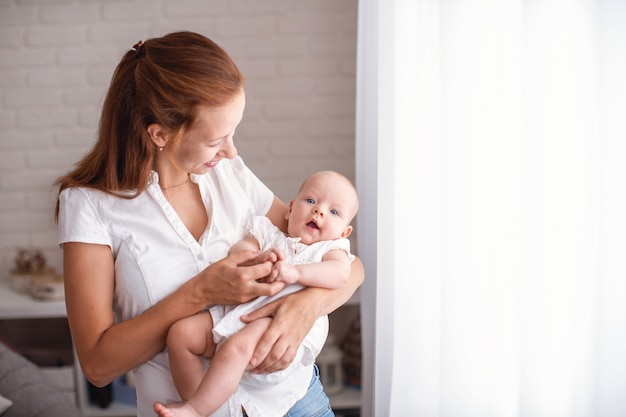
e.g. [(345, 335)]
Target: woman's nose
[(229, 151)]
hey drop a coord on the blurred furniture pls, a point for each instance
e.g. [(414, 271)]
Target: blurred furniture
[(24, 310), (30, 390)]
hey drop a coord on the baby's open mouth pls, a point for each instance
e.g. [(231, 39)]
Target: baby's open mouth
[(312, 225)]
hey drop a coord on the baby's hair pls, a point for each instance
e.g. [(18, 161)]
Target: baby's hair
[(339, 177)]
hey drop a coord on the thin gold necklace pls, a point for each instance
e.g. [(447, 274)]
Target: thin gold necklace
[(177, 185)]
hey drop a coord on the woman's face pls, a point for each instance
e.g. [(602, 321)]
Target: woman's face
[(210, 139)]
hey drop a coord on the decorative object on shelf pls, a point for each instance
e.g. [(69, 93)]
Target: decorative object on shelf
[(329, 363), (351, 347), (30, 261), (32, 275), (48, 287)]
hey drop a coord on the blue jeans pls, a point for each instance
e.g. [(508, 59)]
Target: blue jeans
[(315, 403)]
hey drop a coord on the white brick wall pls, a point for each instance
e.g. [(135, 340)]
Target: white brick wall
[(56, 60)]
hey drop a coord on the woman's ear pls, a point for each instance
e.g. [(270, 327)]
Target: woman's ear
[(158, 134)]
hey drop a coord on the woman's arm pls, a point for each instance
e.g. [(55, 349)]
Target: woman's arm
[(107, 349), (293, 317), (278, 214)]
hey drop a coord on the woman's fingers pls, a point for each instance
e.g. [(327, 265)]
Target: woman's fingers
[(275, 351), (267, 310), (245, 258), (228, 282), (278, 346)]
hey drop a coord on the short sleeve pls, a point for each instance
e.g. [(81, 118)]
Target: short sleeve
[(264, 231), (79, 220), (343, 244), (317, 250)]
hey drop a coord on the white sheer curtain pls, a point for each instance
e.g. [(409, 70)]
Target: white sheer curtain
[(491, 161)]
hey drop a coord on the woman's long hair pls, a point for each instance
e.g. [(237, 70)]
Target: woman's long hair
[(161, 80)]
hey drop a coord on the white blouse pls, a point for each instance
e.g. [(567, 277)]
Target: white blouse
[(155, 253)]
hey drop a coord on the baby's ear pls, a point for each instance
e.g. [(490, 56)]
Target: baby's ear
[(347, 232), (289, 210)]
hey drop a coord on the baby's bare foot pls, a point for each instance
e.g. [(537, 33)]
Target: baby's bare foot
[(162, 410), (175, 410)]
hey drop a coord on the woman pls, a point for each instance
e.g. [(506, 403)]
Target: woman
[(146, 220)]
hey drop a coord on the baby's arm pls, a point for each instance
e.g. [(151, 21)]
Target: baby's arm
[(251, 244), (332, 272)]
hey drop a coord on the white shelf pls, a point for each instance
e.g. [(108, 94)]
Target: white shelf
[(113, 410), (14, 305)]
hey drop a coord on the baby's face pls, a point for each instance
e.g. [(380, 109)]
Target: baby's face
[(322, 210)]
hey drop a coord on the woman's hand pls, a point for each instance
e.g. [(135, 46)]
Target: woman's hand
[(235, 279), (293, 317)]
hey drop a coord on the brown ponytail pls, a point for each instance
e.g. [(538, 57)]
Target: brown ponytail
[(161, 80)]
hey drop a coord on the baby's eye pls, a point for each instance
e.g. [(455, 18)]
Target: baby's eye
[(335, 212), (310, 201)]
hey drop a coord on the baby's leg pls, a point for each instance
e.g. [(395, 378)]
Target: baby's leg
[(226, 368), (187, 341)]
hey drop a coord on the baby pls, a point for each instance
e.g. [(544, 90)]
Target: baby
[(314, 252)]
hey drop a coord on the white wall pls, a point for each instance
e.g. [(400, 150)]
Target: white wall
[(57, 56)]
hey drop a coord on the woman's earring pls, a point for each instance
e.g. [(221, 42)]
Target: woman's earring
[(160, 148)]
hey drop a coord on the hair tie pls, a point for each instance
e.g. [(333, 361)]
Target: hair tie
[(138, 47)]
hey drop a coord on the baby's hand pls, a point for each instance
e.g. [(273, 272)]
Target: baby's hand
[(284, 272), (267, 256), (270, 255)]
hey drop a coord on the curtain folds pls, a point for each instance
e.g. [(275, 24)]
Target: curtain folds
[(497, 139)]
